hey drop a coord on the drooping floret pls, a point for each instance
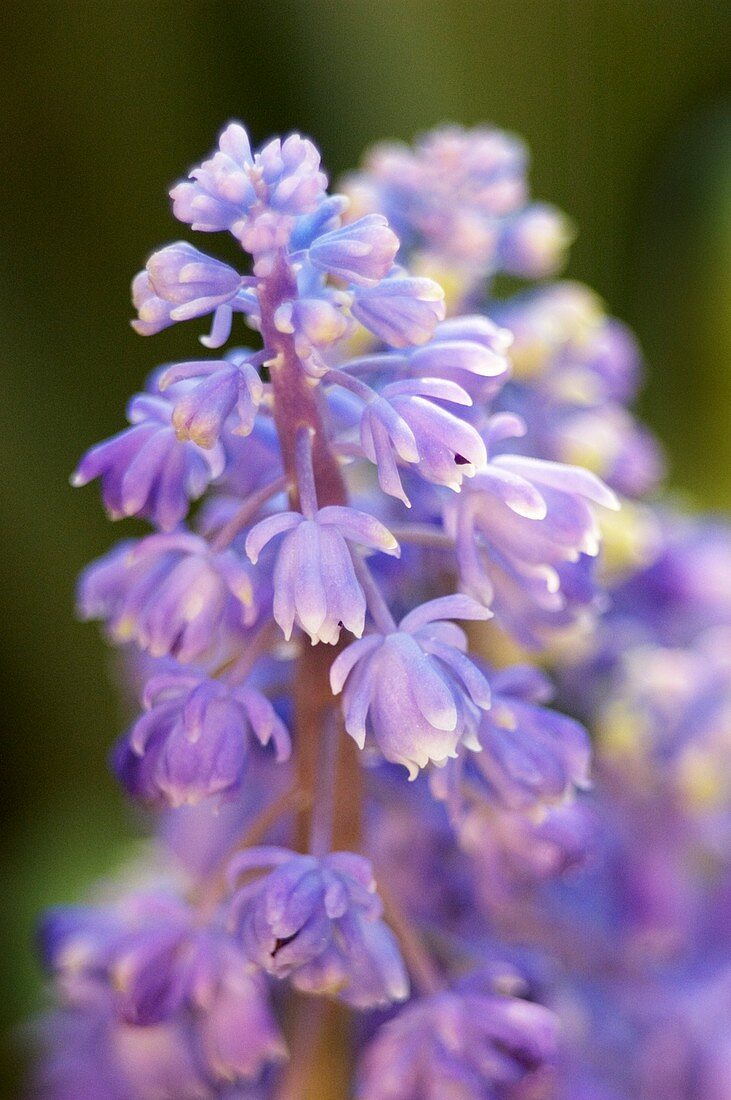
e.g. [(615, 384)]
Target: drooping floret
[(318, 923), (414, 687)]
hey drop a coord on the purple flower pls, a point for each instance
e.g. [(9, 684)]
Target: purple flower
[(400, 310), (361, 253), (318, 923), (192, 741), (518, 525), (325, 217), (87, 1053), (447, 448), (222, 190), (386, 438), (151, 964), (146, 470), (414, 688), (400, 423), (170, 594), (470, 350), (222, 387), (241, 192), (135, 949), (290, 170), (514, 852), (316, 324), (529, 757), (315, 585), (470, 1045), (180, 283)]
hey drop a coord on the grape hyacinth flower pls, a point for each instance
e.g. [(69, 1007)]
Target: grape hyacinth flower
[(201, 412), (170, 594), (192, 741), (147, 470), (521, 530), (528, 757), (414, 686), (142, 966), (477, 1043), (361, 806), (318, 923)]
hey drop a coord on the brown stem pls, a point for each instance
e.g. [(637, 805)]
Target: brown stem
[(318, 1031), (296, 401), (296, 404), (318, 1037), (313, 704)]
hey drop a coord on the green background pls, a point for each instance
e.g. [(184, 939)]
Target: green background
[(625, 104)]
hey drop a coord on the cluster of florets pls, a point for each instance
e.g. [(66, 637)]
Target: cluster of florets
[(574, 372), (459, 203), (372, 473)]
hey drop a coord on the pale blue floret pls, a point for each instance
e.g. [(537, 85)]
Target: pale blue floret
[(144, 962), (223, 387), (483, 1043)]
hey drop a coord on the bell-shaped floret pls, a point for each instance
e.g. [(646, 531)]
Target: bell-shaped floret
[(404, 423), (315, 583), (192, 742), (223, 387), (180, 283), (530, 756), (171, 595), (147, 470), (361, 252), (318, 923), (415, 689), (471, 350), (147, 961), (400, 310), (467, 1044), (520, 525)]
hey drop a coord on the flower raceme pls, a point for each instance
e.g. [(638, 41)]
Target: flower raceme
[(276, 475)]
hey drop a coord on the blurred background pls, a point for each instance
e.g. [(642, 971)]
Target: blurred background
[(626, 105)]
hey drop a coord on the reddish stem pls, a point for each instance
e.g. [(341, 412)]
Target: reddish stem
[(318, 1036)]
